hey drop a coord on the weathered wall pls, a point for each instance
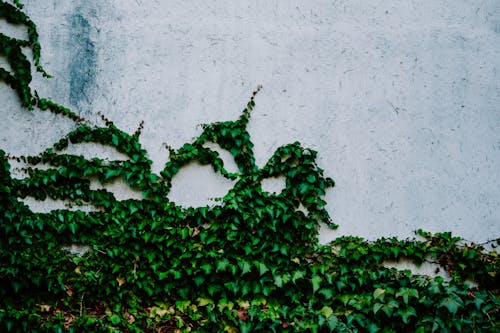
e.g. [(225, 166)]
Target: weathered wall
[(400, 98)]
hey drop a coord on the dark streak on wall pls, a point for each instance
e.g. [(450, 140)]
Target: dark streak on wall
[(82, 65)]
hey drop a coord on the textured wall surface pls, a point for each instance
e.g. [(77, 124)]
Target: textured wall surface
[(400, 98)]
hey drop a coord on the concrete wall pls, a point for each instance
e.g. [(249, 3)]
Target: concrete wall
[(400, 98)]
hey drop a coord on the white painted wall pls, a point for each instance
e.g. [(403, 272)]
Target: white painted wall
[(400, 98)]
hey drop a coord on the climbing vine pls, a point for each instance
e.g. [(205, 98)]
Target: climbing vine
[(251, 263)]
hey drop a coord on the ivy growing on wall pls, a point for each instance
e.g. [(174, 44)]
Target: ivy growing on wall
[(252, 263)]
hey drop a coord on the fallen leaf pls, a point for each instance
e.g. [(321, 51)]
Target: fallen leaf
[(69, 291), (120, 281), (130, 318), (243, 314), (44, 307)]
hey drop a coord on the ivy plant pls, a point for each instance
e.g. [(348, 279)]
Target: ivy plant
[(251, 263)]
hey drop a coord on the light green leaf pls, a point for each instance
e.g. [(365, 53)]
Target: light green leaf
[(182, 305), (379, 294), (278, 281), (316, 281), (326, 311), (204, 301)]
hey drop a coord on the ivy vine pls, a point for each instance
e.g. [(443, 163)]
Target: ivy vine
[(252, 263)]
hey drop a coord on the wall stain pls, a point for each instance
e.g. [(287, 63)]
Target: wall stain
[(497, 27), (83, 62)]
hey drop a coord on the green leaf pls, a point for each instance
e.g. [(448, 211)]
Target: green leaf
[(303, 188), (245, 328), (263, 268), (115, 319), (377, 307), (222, 265), (244, 266), (184, 233), (386, 308), (297, 275), (114, 139), (311, 178), (267, 289), (452, 303), (389, 307), (332, 323), (372, 328), (379, 294), (278, 281), (9, 325), (407, 293), (406, 313), (327, 293), (198, 280), (111, 173), (207, 268), (212, 289)]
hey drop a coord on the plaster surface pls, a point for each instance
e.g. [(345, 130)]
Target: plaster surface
[(400, 98)]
